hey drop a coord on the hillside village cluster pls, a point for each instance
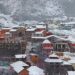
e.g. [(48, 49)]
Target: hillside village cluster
[(47, 48)]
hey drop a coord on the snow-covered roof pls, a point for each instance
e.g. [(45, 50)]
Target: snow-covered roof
[(10, 24), (63, 18), (48, 60), (34, 70), (58, 37), (52, 36), (18, 69), (61, 32), (53, 55), (39, 32), (46, 41), (18, 66), (38, 37), (66, 63), (31, 29), (66, 53), (7, 33), (18, 63), (40, 26), (33, 54), (12, 30), (21, 26), (72, 54), (67, 56), (41, 23), (5, 28), (71, 72), (69, 23), (15, 26), (20, 56), (72, 61)]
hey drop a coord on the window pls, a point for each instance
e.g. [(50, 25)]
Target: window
[(63, 46), (59, 46)]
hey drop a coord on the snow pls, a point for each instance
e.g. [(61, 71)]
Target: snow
[(58, 37), (7, 33), (46, 41), (66, 53), (41, 23), (5, 28), (53, 60), (40, 26), (18, 63), (61, 32), (32, 54), (69, 23), (52, 36), (20, 56), (72, 61), (39, 32), (38, 37), (72, 39), (67, 56), (22, 8), (13, 30), (66, 63), (72, 55), (18, 69), (31, 22), (63, 18), (34, 70), (71, 72), (18, 66), (32, 29), (10, 24), (7, 21), (53, 55)]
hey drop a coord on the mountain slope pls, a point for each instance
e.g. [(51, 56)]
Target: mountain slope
[(68, 6), (31, 9)]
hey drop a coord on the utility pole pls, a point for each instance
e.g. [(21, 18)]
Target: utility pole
[(46, 27)]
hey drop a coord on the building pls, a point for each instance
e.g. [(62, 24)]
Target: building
[(34, 58), (52, 65), (20, 68), (21, 57), (9, 49), (29, 32), (59, 44), (47, 47)]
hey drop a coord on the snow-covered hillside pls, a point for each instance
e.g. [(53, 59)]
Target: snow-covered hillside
[(7, 21), (37, 9), (31, 9)]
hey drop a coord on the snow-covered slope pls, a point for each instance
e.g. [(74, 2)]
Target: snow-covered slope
[(37, 9), (68, 6), (7, 21), (31, 9)]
